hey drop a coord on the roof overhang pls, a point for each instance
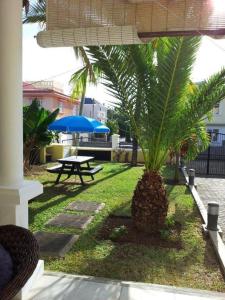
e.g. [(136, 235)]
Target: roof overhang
[(50, 93), (111, 22)]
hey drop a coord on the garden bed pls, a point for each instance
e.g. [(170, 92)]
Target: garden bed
[(192, 263), (122, 230)]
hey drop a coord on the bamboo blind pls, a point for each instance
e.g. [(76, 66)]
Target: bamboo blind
[(97, 22)]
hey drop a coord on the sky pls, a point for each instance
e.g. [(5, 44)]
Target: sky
[(59, 63), (56, 64)]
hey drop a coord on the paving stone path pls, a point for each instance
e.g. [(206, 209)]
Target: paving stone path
[(70, 221), (55, 244), (85, 206), (58, 244), (213, 189)]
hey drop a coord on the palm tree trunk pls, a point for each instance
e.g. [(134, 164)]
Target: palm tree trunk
[(177, 164), (81, 105), (76, 136), (134, 152), (149, 203)]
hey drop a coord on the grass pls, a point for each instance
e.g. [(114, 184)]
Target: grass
[(195, 265)]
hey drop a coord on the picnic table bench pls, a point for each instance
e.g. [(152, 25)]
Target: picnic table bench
[(72, 166)]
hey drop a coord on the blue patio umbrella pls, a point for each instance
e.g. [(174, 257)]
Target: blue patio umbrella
[(78, 124)]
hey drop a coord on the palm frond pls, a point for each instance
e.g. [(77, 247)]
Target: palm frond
[(152, 84), (36, 13), (199, 105)]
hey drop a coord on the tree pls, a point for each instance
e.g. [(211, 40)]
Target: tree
[(36, 120), (159, 75), (196, 141), (124, 124), (88, 74), (26, 4), (113, 126), (35, 12), (79, 81)]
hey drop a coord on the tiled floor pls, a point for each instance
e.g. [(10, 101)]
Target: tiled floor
[(54, 286)]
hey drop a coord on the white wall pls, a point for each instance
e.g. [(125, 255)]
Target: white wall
[(65, 139), (221, 128), (218, 118), (96, 111)]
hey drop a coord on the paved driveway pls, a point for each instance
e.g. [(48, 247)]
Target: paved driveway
[(213, 189)]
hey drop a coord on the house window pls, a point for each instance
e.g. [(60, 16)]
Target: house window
[(60, 108), (216, 109), (101, 114), (214, 134)]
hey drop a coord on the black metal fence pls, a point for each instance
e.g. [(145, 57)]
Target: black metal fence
[(125, 145), (97, 142), (90, 142), (94, 142), (211, 161)]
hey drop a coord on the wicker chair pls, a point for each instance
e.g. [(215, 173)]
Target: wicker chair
[(24, 250)]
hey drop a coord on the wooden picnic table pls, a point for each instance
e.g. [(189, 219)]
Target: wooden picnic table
[(72, 165)]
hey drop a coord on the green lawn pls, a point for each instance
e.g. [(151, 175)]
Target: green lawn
[(195, 265)]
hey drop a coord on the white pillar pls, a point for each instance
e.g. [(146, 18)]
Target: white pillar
[(115, 141), (11, 136), (14, 191)]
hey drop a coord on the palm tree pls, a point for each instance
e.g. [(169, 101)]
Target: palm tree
[(35, 13), (159, 75), (79, 80), (89, 73), (26, 4)]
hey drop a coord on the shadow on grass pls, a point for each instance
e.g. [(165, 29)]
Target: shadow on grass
[(65, 191), (104, 258), (127, 261), (210, 253)]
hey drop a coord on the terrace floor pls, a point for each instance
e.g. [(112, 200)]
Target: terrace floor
[(71, 287)]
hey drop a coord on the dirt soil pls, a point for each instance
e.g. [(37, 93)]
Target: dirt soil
[(36, 170), (168, 238)]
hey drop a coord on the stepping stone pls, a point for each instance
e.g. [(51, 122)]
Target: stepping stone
[(55, 244), (71, 221), (86, 206)]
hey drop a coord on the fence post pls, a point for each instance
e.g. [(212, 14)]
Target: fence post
[(208, 160), (191, 180), (213, 214), (115, 141)]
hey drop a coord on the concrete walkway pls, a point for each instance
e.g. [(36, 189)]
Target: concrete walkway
[(55, 286), (213, 189)]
